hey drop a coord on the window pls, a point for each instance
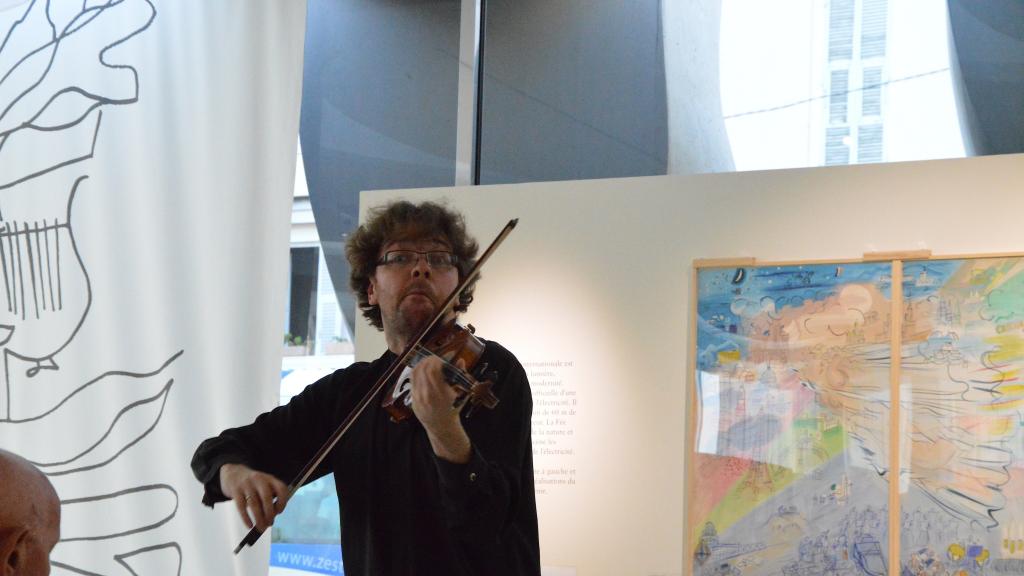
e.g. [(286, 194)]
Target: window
[(831, 82), (837, 149), (300, 328)]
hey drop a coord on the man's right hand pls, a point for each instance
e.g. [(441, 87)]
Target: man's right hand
[(260, 494)]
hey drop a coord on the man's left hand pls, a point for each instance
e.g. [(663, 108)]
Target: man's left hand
[(433, 400)]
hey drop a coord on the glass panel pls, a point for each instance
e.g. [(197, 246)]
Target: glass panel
[(837, 148), (302, 289), (573, 89), (840, 30), (379, 102), (962, 449), (871, 95), (793, 73), (305, 538), (869, 143), (839, 90), (872, 28), (792, 447), (311, 517)]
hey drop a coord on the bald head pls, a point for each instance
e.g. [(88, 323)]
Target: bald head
[(29, 518)]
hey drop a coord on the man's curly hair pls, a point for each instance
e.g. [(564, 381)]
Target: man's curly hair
[(403, 220)]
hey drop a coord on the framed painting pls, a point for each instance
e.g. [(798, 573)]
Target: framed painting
[(962, 406), (800, 414), (791, 455)]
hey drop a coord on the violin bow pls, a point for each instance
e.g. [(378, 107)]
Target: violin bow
[(307, 470)]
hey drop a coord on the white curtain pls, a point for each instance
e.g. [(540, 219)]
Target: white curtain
[(147, 157)]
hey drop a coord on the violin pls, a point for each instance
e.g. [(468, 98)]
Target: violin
[(460, 352), (452, 343)]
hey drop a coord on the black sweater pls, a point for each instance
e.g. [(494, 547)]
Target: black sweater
[(404, 511)]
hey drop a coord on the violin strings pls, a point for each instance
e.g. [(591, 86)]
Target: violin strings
[(421, 352)]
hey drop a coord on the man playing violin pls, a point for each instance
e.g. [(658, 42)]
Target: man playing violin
[(444, 493)]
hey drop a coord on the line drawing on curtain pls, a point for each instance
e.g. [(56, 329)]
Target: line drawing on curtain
[(57, 78)]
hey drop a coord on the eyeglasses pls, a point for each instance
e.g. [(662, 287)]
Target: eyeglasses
[(437, 260)]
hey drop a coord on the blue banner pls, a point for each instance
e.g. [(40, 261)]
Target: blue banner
[(313, 558)]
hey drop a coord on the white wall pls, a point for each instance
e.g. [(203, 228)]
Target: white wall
[(599, 273)]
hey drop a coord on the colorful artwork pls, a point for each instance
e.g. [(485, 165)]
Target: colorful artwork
[(962, 404), (790, 462), (792, 447)]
